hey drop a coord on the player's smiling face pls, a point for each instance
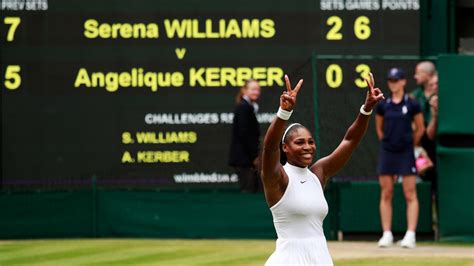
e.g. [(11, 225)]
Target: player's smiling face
[(300, 148)]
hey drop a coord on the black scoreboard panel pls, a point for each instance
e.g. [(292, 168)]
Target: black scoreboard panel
[(376, 29), (141, 93), (340, 92)]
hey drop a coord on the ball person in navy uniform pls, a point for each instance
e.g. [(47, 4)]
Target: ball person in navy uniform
[(393, 122)]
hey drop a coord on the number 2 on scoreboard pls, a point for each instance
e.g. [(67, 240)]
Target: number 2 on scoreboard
[(361, 28), (336, 23), (13, 22)]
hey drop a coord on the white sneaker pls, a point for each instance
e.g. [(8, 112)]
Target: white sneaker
[(386, 240), (408, 241)]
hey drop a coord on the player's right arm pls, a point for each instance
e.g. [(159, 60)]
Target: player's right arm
[(273, 176), (328, 166)]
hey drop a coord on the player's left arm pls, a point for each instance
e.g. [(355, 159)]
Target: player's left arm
[(331, 164)]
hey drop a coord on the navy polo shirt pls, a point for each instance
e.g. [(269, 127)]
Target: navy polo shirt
[(398, 117)]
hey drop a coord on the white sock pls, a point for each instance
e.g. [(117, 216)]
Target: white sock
[(410, 233), (387, 233)]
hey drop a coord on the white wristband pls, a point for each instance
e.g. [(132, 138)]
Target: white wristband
[(362, 111), (284, 114)]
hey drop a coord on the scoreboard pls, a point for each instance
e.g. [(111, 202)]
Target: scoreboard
[(341, 90), (141, 93)]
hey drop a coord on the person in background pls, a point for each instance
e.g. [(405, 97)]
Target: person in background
[(428, 141), (393, 123), (433, 103), (424, 71), (427, 79), (244, 148)]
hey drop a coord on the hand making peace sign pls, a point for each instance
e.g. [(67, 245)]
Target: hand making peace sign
[(288, 98), (374, 95)]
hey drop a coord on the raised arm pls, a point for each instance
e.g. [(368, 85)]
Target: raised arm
[(274, 179), (271, 167), (331, 164)]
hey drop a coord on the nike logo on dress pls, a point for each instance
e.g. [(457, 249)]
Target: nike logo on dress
[(303, 181)]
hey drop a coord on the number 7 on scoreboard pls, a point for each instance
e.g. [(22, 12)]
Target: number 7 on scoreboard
[(14, 22)]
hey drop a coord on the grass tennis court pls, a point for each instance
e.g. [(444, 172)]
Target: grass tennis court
[(215, 252)]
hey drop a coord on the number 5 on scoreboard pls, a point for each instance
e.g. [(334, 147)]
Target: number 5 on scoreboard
[(12, 77), (13, 22)]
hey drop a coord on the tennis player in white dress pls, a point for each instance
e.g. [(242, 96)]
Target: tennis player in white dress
[(294, 191)]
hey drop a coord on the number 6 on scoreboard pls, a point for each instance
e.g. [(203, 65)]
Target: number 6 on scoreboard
[(361, 28), (14, 22)]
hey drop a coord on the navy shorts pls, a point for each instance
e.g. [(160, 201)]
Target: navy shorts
[(396, 162)]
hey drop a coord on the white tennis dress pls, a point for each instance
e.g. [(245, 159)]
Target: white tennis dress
[(298, 219)]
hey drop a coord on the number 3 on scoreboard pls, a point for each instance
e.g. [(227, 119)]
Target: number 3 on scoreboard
[(14, 22), (334, 75), (363, 71)]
